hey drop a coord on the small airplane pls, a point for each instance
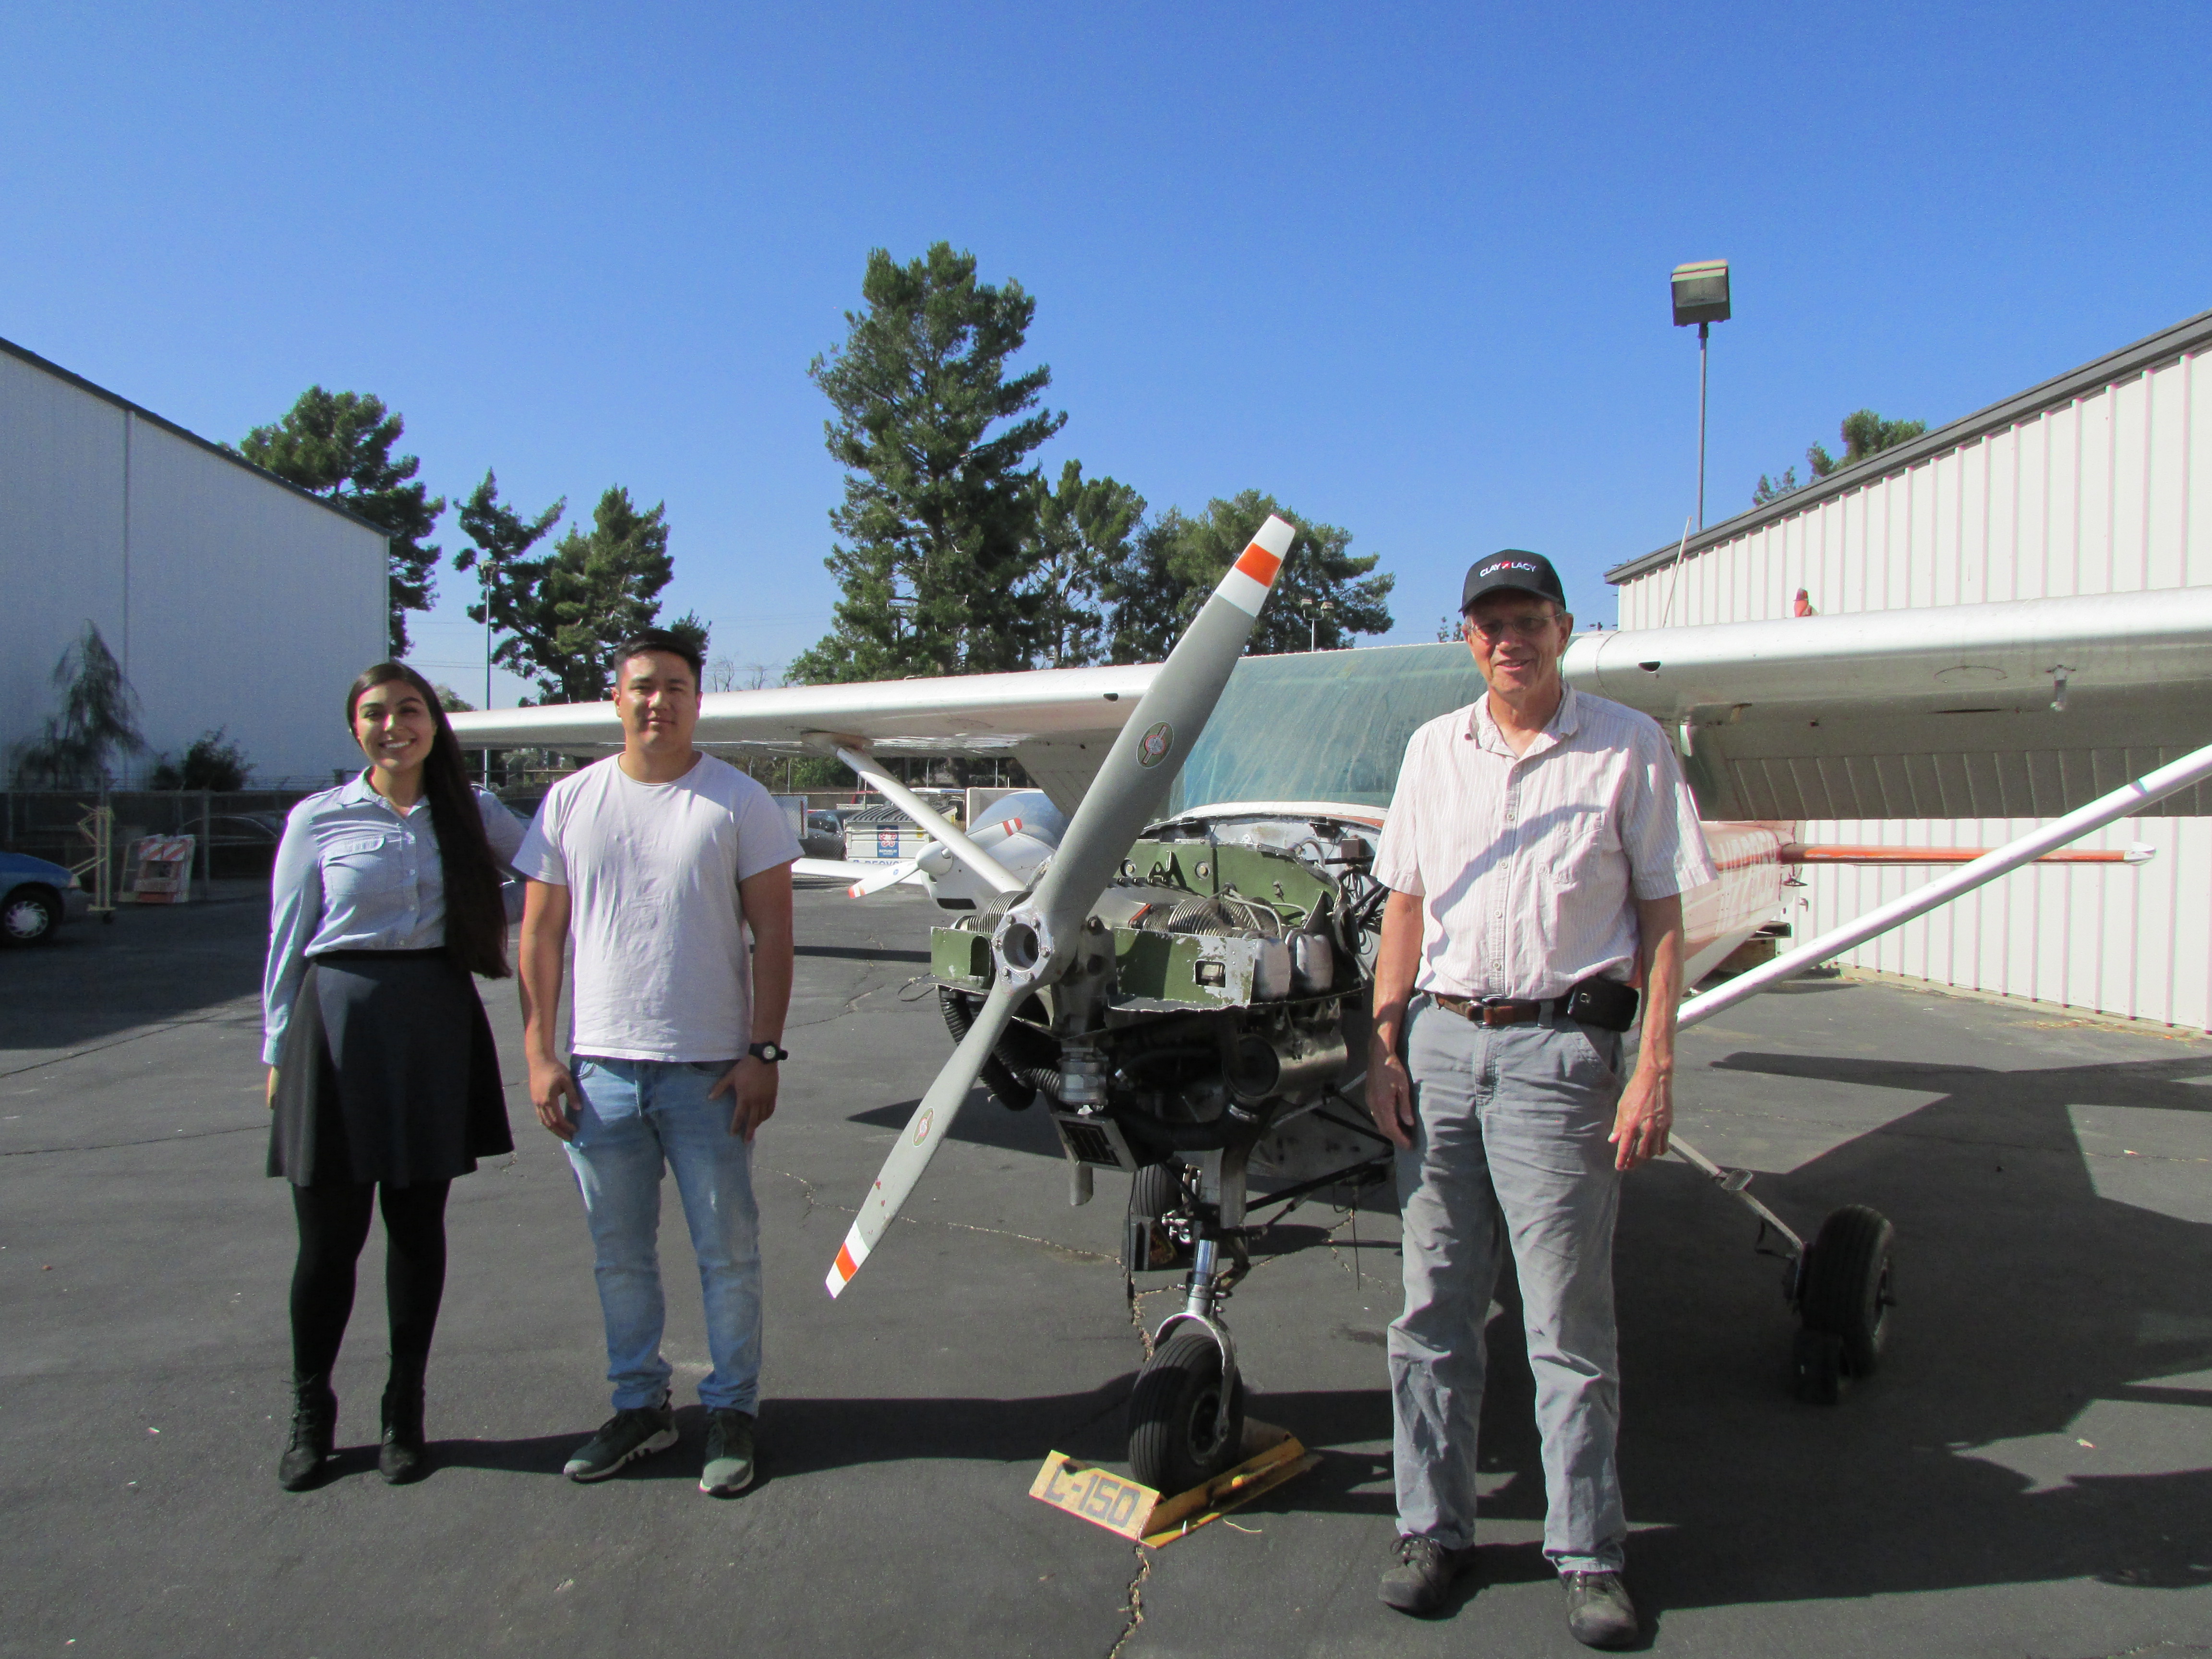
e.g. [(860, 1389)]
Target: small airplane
[(1181, 963)]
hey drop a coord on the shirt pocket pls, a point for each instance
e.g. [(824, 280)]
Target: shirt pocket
[(360, 867)]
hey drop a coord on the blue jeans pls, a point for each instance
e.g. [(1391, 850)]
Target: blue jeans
[(635, 1115), (1510, 1152)]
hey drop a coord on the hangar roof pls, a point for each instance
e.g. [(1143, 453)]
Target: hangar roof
[(2145, 354), (25, 355)]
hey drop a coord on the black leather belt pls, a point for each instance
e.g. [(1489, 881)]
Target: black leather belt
[(1605, 1003)]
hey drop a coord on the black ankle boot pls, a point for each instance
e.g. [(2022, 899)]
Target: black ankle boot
[(402, 1457), (314, 1426)]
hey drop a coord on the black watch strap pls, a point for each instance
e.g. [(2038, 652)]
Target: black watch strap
[(771, 1052)]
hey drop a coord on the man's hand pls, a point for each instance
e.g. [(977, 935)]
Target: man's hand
[(1646, 1114), (751, 1083), (553, 1092), (1391, 1094), (272, 1088)]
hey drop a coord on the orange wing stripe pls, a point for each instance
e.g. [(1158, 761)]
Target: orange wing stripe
[(846, 1266), (1259, 564)]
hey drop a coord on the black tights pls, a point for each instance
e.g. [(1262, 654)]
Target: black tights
[(333, 1226)]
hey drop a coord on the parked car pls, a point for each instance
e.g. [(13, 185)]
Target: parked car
[(824, 838), (36, 898)]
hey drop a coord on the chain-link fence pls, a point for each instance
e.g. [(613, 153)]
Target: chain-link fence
[(234, 831)]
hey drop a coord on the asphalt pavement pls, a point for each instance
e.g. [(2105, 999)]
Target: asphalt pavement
[(2030, 1475)]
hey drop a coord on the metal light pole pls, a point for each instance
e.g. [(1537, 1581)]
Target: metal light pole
[(1701, 296)]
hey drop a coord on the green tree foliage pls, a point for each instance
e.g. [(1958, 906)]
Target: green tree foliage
[(499, 536), (937, 551), (211, 762), (1084, 529), (1863, 432), (338, 445), (564, 614), (98, 720), (1175, 563)]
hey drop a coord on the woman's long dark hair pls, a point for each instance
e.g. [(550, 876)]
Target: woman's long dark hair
[(476, 915)]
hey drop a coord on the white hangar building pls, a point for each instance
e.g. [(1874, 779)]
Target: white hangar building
[(231, 598), (2097, 482)]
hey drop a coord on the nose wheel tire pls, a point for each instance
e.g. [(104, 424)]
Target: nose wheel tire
[(1176, 1440), (1147, 1247), (1848, 1289)]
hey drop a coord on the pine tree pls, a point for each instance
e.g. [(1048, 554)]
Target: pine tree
[(338, 445), (1082, 528), (937, 549), (1175, 563), (564, 614)]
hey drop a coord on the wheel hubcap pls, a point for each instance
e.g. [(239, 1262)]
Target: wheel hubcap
[(25, 920)]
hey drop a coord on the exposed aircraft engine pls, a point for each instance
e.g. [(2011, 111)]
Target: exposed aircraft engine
[(1219, 1002)]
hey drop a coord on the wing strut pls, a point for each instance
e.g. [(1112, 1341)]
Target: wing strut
[(995, 875), (2148, 790)]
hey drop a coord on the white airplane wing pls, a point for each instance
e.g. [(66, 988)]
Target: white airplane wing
[(2025, 709), (1057, 722)]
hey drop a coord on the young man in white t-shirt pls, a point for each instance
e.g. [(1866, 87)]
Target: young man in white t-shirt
[(660, 861)]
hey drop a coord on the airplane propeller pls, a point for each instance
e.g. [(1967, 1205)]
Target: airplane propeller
[(1038, 936)]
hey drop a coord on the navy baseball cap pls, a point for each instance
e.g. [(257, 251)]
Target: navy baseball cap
[(1512, 567)]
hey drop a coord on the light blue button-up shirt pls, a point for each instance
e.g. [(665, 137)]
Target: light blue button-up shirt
[(356, 874)]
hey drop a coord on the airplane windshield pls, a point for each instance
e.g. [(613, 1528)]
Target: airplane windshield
[(1323, 725)]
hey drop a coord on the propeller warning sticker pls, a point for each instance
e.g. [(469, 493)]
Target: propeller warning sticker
[(1153, 748)]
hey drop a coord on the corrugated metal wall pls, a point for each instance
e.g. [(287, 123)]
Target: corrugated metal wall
[(2107, 491), (231, 600)]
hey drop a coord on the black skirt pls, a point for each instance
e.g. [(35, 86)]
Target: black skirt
[(388, 1073)]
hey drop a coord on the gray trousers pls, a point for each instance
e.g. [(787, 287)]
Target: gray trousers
[(1511, 1149)]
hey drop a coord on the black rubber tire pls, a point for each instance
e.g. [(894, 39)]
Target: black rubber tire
[(1849, 1286), (1173, 1446), (29, 915), (1156, 1190)]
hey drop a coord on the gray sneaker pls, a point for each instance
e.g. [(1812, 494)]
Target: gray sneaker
[(627, 1434), (1599, 1612), (729, 1468)]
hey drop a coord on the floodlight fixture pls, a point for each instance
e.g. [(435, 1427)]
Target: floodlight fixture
[(1701, 292), (1701, 296)]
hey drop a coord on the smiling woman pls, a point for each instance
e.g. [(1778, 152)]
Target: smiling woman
[(382, 1070)]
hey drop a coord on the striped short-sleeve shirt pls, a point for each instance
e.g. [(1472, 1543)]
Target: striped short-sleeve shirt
[(1529, 867)]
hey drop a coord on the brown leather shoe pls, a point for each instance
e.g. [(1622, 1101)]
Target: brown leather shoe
[(1424, 1575), (1599, 1612)]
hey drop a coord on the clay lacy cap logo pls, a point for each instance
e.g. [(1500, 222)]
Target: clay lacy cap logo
[(1153, 748)]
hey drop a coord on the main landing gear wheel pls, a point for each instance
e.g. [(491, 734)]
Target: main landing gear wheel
[(1844, 1303), (1176, 1440)]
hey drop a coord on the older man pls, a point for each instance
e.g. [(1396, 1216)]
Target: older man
[(1536, 851)]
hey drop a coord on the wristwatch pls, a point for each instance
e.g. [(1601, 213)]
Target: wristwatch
[(770, 1051)]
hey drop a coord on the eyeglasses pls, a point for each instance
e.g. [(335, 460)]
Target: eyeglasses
[(1530, 626)]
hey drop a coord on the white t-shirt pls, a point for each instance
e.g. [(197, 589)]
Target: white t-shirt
[(662, 970)]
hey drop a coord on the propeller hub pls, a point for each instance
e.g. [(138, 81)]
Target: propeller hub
[(1023, 946)]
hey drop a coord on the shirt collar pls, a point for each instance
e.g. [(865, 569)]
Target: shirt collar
[(359, 793), (1566, 721)]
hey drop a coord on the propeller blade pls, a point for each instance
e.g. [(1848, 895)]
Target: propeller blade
[(1036, 937), (1037, 934), (889, 876), (918, 1141)]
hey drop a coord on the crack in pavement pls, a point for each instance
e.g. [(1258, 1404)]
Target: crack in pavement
[(151, 1141), (1134, 1606)]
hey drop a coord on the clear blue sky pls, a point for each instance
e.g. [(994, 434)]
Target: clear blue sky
[(1403, 266)]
